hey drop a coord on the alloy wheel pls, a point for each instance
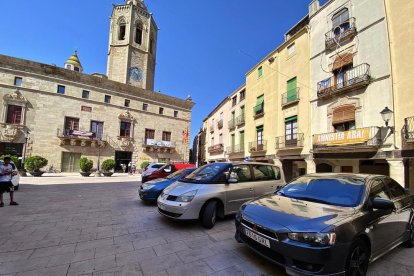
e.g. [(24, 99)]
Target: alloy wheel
[(359, 261)]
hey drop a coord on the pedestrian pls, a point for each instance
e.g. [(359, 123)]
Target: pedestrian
[(134, 169), (130, 167), (6, 174), (123, 166)]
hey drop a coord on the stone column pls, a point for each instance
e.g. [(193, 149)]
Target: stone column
[(397, 170), (310, 166)]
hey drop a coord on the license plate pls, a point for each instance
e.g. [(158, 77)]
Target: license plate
[(257, 238)]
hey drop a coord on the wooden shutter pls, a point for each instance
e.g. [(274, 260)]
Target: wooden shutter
[(344, 114), (342, 60)]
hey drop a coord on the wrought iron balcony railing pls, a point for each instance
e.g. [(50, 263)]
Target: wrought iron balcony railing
[(340, 33), (290, 141), (219, 148), (232, 124), (290, 97), (369, 137), (80, 138), (240, 120), (409, 130), (258, 146), (357, 77), (235, 149), (258, 110), (152, 143), (220, 124)]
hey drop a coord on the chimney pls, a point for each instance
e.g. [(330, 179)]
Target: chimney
[(314, 7)]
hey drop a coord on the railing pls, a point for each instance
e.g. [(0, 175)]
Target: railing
[(340, 33), (235, 149), (356, 77), (69, 133), (358, 138), (158, 143), (212, 128), (258, 110), (290, 141), (80, 138), (290, 97), (232, 124), (258, 146), (409, 129), (240, 120), (216, 148), (220, 124)]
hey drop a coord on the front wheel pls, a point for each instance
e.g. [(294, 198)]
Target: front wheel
[(358, 259), (209, 215), (410, 242)]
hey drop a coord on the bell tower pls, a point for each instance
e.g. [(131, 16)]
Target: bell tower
[(132, 45)]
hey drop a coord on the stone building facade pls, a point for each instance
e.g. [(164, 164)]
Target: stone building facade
[(63, 114)]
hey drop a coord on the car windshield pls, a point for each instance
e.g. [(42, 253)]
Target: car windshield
[(157, 166), (207, 173), (176, 174), (338, 191)]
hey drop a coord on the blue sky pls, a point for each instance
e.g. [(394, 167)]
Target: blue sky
[(205, 47)]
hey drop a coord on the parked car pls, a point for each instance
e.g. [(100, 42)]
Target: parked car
[(16, 178), (165, 171), (218, 189), (328, 223), (150, 167), (152, 189)]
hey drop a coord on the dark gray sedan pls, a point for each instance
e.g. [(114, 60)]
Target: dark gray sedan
[(329, 224)]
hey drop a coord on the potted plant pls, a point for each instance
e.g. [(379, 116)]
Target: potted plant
[(108, 166), (33, 164), (85, 166)]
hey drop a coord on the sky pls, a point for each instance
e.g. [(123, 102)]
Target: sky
[(205, 47)]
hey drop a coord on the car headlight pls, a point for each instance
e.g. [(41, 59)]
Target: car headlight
[(147, 187), (187, 197), (322, 239)]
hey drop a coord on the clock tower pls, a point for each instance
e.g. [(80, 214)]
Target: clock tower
[(132, 45)]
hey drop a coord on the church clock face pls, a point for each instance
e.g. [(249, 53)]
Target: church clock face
[(136, 74)]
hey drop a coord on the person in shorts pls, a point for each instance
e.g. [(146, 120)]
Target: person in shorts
[(6, 174)]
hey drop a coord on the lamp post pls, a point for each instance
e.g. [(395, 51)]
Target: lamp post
[(386, 115), (26, 139), (99, 154)]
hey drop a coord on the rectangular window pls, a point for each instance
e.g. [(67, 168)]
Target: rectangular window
[(107, 99), (126, 103), (291, 131), (291, 49), (292, 90), (18, 81), (166, 136), (149, 134), (175, 114), (145, 107), (61, 89), (97, 129), (232, 140), (71, 124), (241, 140), (85, 94), (138, 35), (242, 95), (259, 135), (259, 108), (14, 114), (241, 173), (122, 31), (161, 111), (125, 129), (234, 100), (260, 71)]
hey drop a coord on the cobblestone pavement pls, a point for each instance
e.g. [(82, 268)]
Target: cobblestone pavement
[(103, 229)]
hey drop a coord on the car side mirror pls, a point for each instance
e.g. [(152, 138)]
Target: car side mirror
[(232, 181), (382, 204)]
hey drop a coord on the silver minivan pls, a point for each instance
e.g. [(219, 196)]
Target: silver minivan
[(218, 189)]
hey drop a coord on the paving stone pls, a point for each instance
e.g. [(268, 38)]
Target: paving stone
[(113, 249), (193, 269), (160, 263), (16, 255), (139, 244), (168, 248), (55, 250), (222, 261), (23, 265), (191, 255), (134, 256), (50, 271)]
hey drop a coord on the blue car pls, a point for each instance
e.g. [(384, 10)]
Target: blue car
[(152, 189)]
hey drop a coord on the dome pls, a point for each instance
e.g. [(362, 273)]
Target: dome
[(73, 63)]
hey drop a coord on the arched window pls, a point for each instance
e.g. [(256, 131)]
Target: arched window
[(121, 29), (138, 33), (340, 21)]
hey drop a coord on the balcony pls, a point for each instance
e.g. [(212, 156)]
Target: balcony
[(240, 120), (80, 138), (409, 130), (216, 149), (341, 33), (235, 151), (232, 124), (258, 147), (352, 79), (290, 97), (258, 111), (212, 129), (368, 138), (220, 124), (290, 141), (153, 145)]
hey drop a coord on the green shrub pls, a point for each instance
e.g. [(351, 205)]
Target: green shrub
[(35, 163), (13, 158), (108, 165), (85, 164), (143, 164)]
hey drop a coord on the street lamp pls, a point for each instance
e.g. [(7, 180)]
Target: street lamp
[(26, 139), (386, 115), (99, 153)]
